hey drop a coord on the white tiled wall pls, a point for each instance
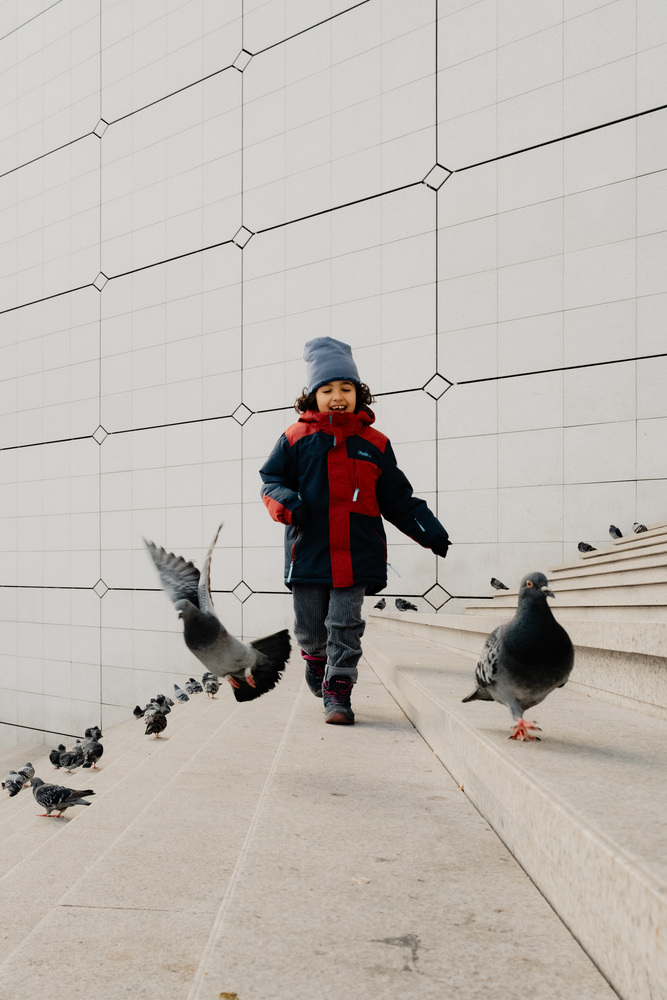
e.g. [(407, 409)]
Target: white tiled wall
[(472, 194)]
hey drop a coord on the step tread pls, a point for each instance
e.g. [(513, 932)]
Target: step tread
[(259, 816)]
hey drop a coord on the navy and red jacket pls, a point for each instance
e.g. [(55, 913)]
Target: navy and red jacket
[(345, 475)]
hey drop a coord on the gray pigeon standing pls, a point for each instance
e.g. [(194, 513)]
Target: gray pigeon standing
[(381, 604), (524, 659), (54, 756), (192, 686), (639, 528), (73, 758), (211, 684), (497, 584), (155, 723), (251, 668), (585, 547), (615, 532), (180, 694), (57, 798)]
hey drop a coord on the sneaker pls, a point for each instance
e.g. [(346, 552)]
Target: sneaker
[(314, 672), (336, 692)]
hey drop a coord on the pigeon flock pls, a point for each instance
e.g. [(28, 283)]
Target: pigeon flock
[(522, 662), (251, 669)]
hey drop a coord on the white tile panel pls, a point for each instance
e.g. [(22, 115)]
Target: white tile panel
[(604, 94), (468, 354), (530, 118), (651, 137), (600, 453), (468, 463), (530, 62), (601, 274), (604, 215), (601, 394), (470, 516), (530, 514), (603, 332), (602, 156), (530, 458), (530, 288), (652, 203), (651, 264), (530, 233), (532, 344), (529, 403), (651, 336), (600, 37), (468, 86), (651, 400), (651, 453)]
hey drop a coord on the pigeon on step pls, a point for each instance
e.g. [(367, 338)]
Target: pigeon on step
[(404, 605), (192, 686), (57, 798), (381, 604), (526, 658), (211, 686), (156, 723), (13, 783), (615, 532), (639, 528), (92, 748), (54, 756), (251, 668), (180, 694), (585, 547), (497, 584), (71, 759)]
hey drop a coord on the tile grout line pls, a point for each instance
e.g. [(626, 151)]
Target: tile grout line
[(240, 862)]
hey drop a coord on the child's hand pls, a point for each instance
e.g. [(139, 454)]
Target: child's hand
[(441, 546)]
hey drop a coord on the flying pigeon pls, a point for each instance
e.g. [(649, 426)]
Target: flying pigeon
[(54, 756), (615, 532), (156, 723), (251, 669), (585, 547), (381, 604), (404, 605), (524, 659), (180, 694), (57, 798), (639, 528), (497, 584), (71, 759), (192, 686)]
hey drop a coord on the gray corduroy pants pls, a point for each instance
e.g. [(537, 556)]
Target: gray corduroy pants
[(328, 622)]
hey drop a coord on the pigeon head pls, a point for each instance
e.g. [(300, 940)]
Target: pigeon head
[(36, 782), (535, 587), (185, 608)]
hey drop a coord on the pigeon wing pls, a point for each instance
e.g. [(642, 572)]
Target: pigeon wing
[(487, 665), (274, 652), (179, 578), (205, 602)]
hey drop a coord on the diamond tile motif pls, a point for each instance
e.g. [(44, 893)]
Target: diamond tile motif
[(437, 596), (100, 588), (100, 281), (100, 128), (242, 60), (99, 434), (437, 386), (436, 177), (242, 592), (242, 237), (241, 414)]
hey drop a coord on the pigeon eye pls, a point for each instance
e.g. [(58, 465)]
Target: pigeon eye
[(529, 583)]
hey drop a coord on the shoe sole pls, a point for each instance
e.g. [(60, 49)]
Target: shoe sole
[(339, 718)]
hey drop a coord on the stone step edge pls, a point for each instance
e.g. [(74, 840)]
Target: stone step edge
[(643, 637), (603, 652), (618, 939)]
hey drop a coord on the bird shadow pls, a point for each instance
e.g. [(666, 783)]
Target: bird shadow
[(569, 746)]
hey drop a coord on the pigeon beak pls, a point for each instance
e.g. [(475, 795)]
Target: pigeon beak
[(547, 592)]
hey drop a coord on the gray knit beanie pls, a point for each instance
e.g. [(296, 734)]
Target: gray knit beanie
[(328, 359)]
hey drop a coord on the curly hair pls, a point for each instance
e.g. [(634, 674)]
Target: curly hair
[(307, 400)]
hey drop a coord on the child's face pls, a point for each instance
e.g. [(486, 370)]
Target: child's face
[(336, 397)]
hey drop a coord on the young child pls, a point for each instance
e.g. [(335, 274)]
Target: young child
[(330, 479)]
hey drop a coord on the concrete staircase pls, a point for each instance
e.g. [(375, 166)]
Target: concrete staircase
[(255, 853), (583, 811)]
